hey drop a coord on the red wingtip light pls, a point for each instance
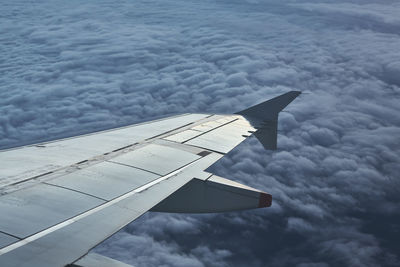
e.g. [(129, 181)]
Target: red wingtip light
[(265, 200)]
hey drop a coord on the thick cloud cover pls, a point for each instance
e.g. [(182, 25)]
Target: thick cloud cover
[(69, 67)]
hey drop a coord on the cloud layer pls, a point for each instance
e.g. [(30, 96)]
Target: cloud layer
[(73, 67)]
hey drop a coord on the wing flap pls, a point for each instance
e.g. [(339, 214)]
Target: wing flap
[(156, 158), (224, 138), (106, 180)]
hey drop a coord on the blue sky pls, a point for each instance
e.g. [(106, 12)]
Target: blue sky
[(71, 67)]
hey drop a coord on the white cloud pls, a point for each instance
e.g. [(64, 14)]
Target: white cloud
[(73, 67)]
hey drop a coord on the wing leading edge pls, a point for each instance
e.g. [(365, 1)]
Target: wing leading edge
[(79, 191)]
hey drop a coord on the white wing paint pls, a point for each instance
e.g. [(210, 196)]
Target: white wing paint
[(60, 199)]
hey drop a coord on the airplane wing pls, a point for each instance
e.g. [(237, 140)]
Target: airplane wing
[(60, 199)]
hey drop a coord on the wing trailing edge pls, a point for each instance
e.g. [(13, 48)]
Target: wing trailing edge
[(264, 117)]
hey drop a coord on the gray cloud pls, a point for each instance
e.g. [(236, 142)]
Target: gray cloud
[(71, 67)]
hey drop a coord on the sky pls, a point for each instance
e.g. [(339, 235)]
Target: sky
[(73, 67)]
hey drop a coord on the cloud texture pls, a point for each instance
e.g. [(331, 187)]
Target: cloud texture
[(69, 67)]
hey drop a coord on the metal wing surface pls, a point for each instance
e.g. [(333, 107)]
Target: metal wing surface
[(60, 199)]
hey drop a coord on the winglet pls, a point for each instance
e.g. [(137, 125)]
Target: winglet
[(264, 117), (269, 109)]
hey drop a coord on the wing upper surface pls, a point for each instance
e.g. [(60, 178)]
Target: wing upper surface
[(62, 198), (84, 203), (68, 240), (38, 159)]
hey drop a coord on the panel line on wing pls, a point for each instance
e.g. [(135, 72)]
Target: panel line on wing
[(89, 212), (127, 165), (121, 148), (2, 232), (67, 188), (31, 178), (131, 166), (183, 126)]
